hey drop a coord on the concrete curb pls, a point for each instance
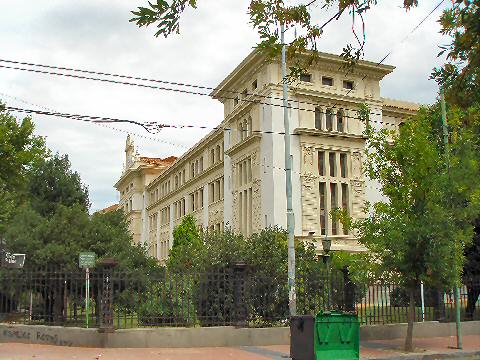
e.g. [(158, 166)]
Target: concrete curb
[(223, 336), (467, 355)]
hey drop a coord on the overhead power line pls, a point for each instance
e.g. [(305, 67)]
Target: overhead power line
[(181, 84), (99, 124), (401, 41), (154, 125), (250, 100)]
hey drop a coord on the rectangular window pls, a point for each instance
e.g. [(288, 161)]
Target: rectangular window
[(347, 84), (318, 118), (221, 188), (211, 192), (340, 125), (218, 190), (343, 165), (254, 84), (201, 164), (306, 77), (345, 202), (322, 208), (332, 164), (334, 205), (321, 163), (244, 93), (328, 81), (235, 101), (329, 120)]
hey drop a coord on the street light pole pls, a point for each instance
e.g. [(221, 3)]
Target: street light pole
[(292, 296)]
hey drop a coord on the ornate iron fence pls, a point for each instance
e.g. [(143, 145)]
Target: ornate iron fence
[(230, 296)]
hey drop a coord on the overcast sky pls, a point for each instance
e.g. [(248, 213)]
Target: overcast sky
[(96, 35)]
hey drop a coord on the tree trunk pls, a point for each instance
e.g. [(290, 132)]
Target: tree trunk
[(411, 318)]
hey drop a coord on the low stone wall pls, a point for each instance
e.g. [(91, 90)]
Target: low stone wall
[(203, 337)]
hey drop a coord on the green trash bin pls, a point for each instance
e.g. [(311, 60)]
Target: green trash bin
[(337, 336)]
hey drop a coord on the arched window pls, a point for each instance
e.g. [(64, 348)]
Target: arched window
[(340, 122), (318, 118), (329, 120)]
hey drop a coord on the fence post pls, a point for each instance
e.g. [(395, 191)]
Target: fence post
[(440, 305), (106, 296), (240, 311)]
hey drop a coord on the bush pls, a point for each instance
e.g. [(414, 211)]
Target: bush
[(169, 302)]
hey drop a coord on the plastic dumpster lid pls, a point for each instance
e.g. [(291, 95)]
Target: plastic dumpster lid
[(335, 313)]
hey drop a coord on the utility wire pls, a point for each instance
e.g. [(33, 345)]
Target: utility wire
[(202, 87), (401, 41), (155, 125), (98, 124), (254, 101)]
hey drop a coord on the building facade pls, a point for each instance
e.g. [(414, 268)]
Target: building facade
[(235, 175)]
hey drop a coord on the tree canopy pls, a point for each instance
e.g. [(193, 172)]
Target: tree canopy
[(419, 232), (20, 151), (459, 22)]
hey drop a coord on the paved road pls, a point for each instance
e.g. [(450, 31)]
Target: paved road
[(369, 350)]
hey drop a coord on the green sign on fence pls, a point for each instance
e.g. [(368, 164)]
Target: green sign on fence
[(86, 259)]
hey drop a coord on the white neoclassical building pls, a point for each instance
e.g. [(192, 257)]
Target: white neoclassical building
[(235, 175)]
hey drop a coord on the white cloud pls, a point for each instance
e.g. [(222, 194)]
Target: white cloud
[(96, 34)]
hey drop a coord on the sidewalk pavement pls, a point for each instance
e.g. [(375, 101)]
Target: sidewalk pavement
[(427, 348)]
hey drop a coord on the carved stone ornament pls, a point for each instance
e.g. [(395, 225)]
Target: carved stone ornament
[(357, 186), (254, 158), (308, 181), (357, 165), (307, 155)]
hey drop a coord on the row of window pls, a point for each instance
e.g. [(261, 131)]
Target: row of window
[(244, 94), (216, 154), (127, 206), (332, 195), (332, 163), (328, 81), (218, 227), (196, 167), (215, 190), (196, 200), (165, 216), (179, 209), (329, 120), (127, 189), (152, 222), (244, 184)]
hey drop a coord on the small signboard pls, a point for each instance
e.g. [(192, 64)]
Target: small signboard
[(12, 261), (87, 259)]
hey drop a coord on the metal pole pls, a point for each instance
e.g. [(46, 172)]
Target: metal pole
[(292, 296), (87, 293), (422, 296), (457, 318), (445, 143)]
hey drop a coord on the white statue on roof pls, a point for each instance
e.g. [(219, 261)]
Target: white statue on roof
[(130, 154)]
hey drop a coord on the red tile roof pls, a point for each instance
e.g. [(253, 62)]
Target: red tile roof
[(109, 209), (158, 161)]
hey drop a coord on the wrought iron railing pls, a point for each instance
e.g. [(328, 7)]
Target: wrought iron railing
[(229, 296)]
